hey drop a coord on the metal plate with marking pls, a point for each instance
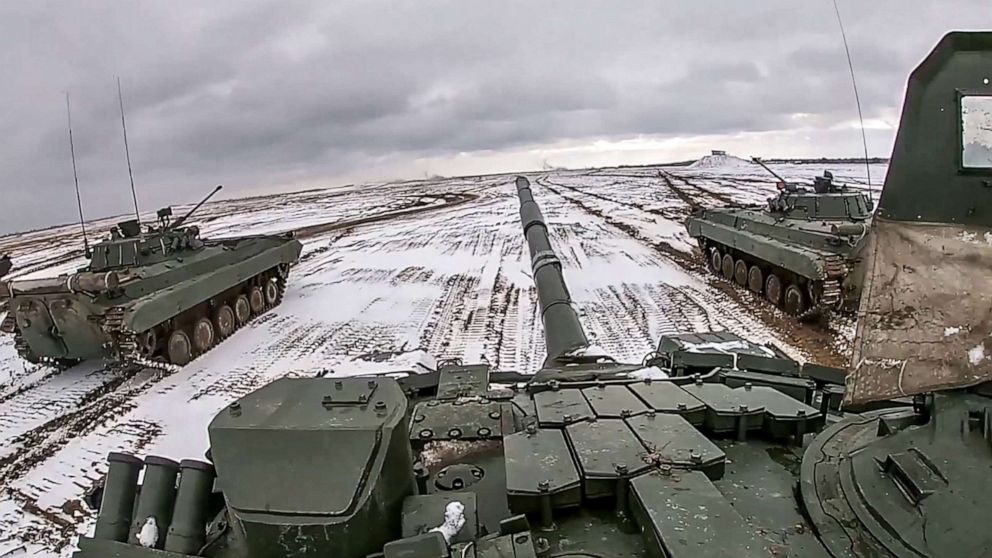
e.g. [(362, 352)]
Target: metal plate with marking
[(671, 440), (463, 381), (613, 401), (557, 408), (535, 458), (603, 448), (684, 516), (666, 397)]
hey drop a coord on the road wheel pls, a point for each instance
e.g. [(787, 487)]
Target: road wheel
[(728, 267), (257, 300), (148, 343), (795, 300), (224, 321), (755, 280), (203, 335), (773, 289), (740, 273), (716, 261), (242, 310), (179, 348), (272, 292)]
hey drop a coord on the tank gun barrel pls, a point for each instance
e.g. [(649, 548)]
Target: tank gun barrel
[(184, 218), (563, 331), (757, 160)]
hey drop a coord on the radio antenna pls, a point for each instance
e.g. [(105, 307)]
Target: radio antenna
[(857, 98), (127, 152), (75, 178)]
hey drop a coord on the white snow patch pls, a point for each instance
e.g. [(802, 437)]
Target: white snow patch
[(148, 536), (454, 520), (725, 347), (589, 351), (976, 355), (949, 331), (649, 373), (720, 162), (972, 238)]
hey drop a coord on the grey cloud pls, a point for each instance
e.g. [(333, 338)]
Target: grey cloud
[(267, 93)]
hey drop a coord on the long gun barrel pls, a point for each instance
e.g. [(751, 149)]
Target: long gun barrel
[(563, 332), (764, 166), (183, 219)]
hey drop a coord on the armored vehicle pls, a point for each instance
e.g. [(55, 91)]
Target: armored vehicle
[(591, 458), (801, 251), (5, 267), (162, 294)]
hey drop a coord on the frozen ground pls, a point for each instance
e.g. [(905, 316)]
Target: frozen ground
[(391, 276)]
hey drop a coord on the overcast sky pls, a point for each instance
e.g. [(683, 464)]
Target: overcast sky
[(261, 96)]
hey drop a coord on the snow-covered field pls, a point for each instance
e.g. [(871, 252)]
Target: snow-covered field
[(420, 274)]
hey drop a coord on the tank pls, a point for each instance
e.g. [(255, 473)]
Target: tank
[(741, 452), (801, 251), (150, 295)]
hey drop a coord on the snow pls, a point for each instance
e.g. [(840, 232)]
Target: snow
[(148, 535), (976, 355), (972, 238), (588, 351), (721, 162), (454, 520), (649, 373), (383, 297), (949, 331), (730, 347)]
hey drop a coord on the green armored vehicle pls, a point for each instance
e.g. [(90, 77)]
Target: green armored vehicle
[(591, 458), (801, 251), (161, 294), (5, 266)]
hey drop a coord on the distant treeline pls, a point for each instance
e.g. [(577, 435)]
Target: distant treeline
[(828, 160), (820, 161)]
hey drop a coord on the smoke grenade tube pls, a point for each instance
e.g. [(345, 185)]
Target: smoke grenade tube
[(158, 493), (562, 329), (119, 490), (187, 534)]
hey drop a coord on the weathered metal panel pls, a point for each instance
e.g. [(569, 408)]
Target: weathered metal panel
[(926, 317)]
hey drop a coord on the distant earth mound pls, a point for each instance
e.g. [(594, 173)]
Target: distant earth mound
[(720, 160)]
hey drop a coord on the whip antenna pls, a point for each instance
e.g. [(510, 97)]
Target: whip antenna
[(127, 152), (75, 178), (857, 98)]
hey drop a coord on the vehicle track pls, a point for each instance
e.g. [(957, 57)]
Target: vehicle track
[(711, 197)]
